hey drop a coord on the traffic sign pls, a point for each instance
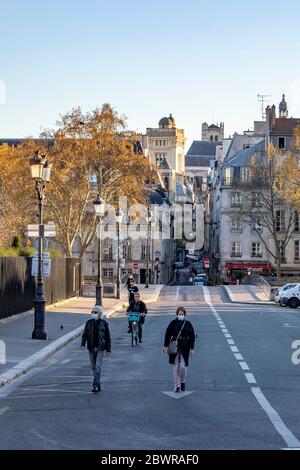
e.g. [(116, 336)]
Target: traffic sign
[(157, 254), (36, 243), (135, 266), (35, 230), (206, 262), (46, 254), (46, 267)]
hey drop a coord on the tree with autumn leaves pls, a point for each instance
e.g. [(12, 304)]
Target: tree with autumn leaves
[(91, 153)]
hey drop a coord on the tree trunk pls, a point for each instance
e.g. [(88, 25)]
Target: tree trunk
[(278, 266)]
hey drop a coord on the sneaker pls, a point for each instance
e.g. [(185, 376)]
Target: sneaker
[(95, 389), (183, 387), (177, 389), (99, 388)]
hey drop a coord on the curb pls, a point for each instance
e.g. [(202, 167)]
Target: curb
[(244, 301), (40, 356)]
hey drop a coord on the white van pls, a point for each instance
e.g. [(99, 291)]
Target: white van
[(291, 297), (281, 290)]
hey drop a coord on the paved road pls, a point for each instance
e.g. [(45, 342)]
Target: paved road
[(245, 387)]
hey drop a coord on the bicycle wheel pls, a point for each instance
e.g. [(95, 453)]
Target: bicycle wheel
[(132, 335)]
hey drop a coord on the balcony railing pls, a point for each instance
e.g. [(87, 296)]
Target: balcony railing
[(256, 255), (236, 254)]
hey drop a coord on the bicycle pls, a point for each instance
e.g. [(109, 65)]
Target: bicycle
[(134, 319)]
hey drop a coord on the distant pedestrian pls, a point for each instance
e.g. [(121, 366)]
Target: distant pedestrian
[(132, 289), (97, 336), (182, 332)]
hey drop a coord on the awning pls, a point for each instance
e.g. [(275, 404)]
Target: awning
[(255, 266)]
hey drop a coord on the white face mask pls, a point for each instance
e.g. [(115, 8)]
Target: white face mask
[(180, 317), (95, 316)]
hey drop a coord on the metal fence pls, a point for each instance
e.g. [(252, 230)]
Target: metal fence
[(257, 280), (17, 286)]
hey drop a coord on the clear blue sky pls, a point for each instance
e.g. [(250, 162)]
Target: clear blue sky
[(196, 59)]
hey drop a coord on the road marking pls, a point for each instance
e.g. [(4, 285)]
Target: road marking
[(4, 410), (239, 357), (227, 335), (177, 294), (65, 361), (289, 438), (176, 396), (250, 378), (244, 365), (230, 341), (276, 420)]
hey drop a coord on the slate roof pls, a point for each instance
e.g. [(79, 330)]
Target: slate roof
[(285, 126), (201, 153), (242, 157)]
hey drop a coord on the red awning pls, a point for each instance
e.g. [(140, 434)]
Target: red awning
[(248, 264)]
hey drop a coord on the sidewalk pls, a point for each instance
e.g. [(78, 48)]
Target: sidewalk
[(247, 294), (64, 322)]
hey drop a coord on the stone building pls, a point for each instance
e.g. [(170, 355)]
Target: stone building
[(213, 133)]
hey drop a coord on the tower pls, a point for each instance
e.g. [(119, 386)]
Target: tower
[(283, 108)]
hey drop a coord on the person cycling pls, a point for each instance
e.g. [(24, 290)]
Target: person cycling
[(138, 306), (132, 289)]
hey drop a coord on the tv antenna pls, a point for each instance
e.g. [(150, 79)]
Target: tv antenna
[(262, 99)]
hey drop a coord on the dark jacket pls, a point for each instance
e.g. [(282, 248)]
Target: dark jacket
[(186, 341), (103, 335), (132, 290), (139, 307)]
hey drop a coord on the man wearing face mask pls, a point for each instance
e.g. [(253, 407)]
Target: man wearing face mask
[(97, 336), (182, 331)]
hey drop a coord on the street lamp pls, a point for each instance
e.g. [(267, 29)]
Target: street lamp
[(99, 211), (149, 219), (40, 173), (119, 219)]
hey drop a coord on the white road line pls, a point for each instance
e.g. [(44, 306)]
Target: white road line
[(230, 341), (244, 365), (239, 357), (4, 410), (177, 293), (250, 378), (65, 361), (225, 330), (227, 335), (276, 420), (289, 438)]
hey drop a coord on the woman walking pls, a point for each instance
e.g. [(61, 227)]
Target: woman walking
[(181, 332)]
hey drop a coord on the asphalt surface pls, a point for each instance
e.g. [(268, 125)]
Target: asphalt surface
[(53, 407)]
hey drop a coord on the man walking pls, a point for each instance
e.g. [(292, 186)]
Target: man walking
[(138, 306), (97, 336)]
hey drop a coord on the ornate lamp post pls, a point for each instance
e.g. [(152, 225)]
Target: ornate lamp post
[(99, 211), (149, 219), (40, 173), (119, 219)]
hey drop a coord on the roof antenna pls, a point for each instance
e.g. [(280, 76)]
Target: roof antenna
[(262, 99)]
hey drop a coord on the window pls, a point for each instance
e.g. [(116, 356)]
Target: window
[(211, 138), (256, 249), (245, 175), (256, 225), (256, 199), (280, 221), (159, 158), (144, 251), (156, 143), (281, 143), (127, 251), (296, 221), (216, 138), (296, 250), (236, 225), (236, 199), (236, 249), (108, 250), (246, 146), (167, 185), (108, 272), (126, 272)]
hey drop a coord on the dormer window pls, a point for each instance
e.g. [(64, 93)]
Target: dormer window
[(281, 143), (245, 175)]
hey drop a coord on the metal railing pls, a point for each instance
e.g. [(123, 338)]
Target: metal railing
[(259, 281)]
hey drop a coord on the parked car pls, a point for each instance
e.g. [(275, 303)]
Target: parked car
[(291, 297), (200, 281), (279, 292)]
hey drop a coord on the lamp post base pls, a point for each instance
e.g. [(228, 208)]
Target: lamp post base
[(39, 331), (39, 334), (99, 294)]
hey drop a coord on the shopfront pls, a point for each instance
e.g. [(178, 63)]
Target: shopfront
[(236, 271)]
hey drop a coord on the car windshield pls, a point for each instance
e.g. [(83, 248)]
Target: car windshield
[(199, 279)]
